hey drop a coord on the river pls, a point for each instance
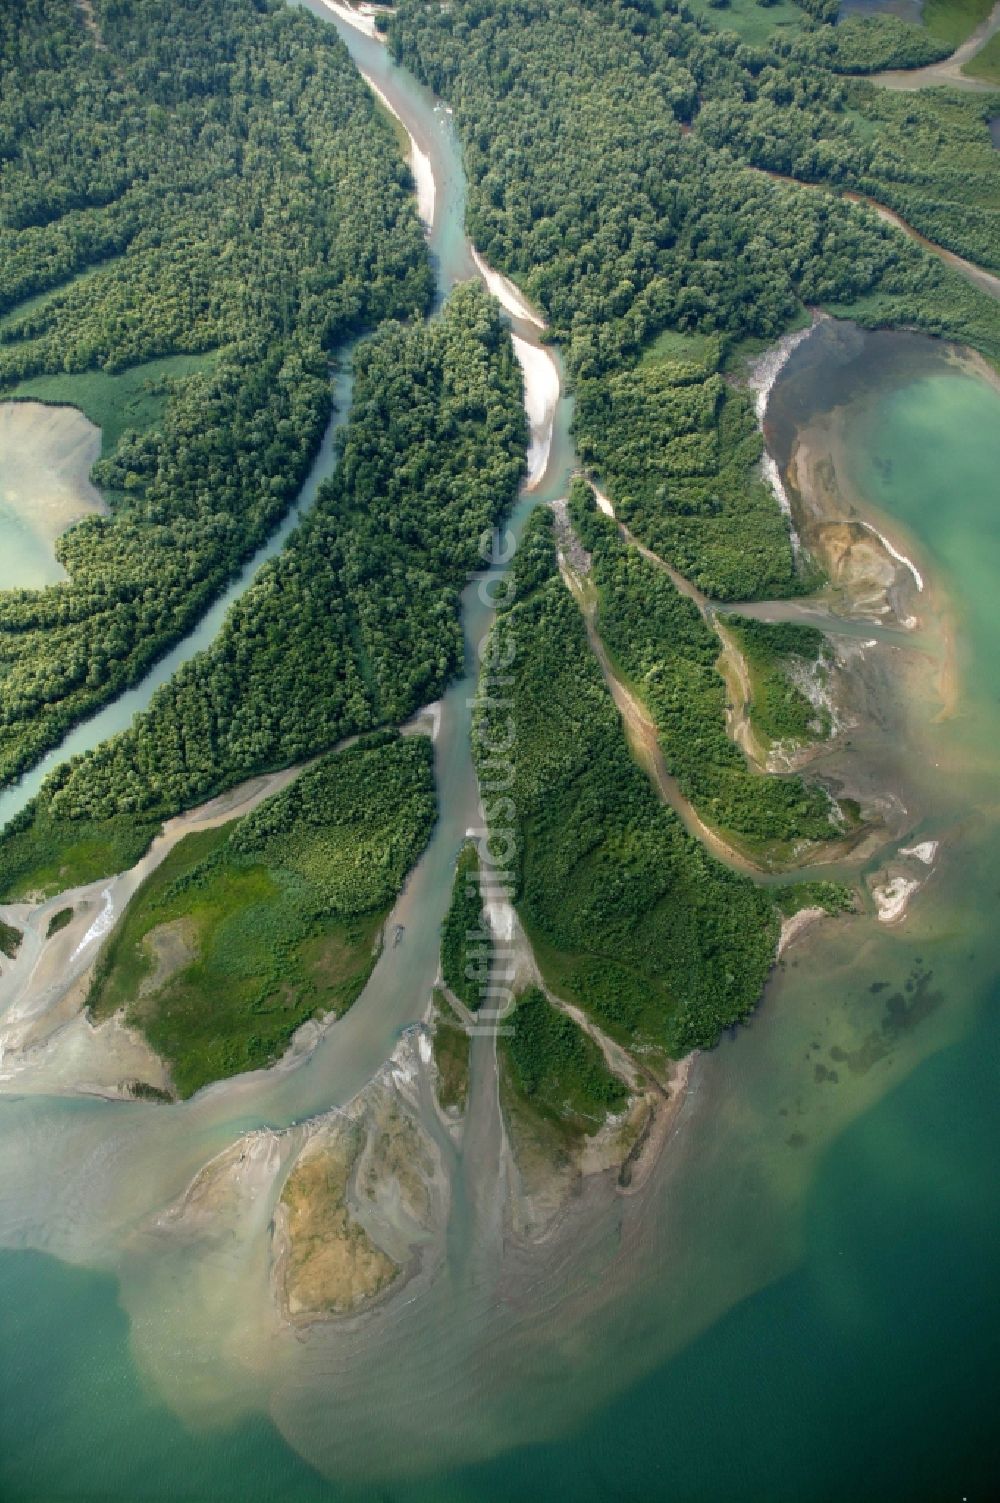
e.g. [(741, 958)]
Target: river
[(800, 1303)]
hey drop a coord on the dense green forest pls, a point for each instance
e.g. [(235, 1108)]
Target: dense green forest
[(667, 651), (247, 930), (614, 150), (198, 179), (866, 44), (675, 444), (776, 654), (356, 624), (557, 1068), (629, 915), (465, 938)]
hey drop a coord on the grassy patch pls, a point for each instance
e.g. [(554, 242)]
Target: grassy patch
[(752, 22), (247, 930), (10, 939), (672, 345), (450, 1044), (134, 398), (954, 20), (986, 63), (557, 1068), (41, 855), (58, 921), (465, 938)]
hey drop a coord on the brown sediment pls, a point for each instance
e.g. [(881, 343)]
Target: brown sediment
[(362, 1209), (659, 1126), (868, 579), (328, 1264), (644, 741)]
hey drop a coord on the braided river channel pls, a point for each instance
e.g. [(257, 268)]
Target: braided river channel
[(800, 1302)]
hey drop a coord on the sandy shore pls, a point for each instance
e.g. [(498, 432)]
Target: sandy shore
[(420, 162), (792, 927), (925, 851), (362, 21), (874, 576), (762, 374), (541, 397), (892, 898), (507, 295)]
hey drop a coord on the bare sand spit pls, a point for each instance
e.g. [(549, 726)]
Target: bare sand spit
[(420, 162)]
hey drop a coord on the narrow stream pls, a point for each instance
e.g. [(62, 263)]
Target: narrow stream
[(118, 714)]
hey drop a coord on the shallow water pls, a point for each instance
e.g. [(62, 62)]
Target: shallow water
[(46, 455), (906, 10), (798, 1307)]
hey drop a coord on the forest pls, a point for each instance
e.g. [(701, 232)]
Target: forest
[(354, 625), (247, 930), (209, 180), (667, 651), (675, 446), (777, 654), (629, 916), (556, 1068), (466, 943), (625, 166)]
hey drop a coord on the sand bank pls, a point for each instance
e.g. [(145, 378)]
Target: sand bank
[(901, 558), (892, 898), (925, 851), (507, 295), (541, 397), (602, 501), (46, 455), (792, 927), (363, 21), (420, 162), (871, 573)]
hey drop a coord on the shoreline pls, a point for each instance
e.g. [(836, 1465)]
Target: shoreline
[(351, 17), (509, 296), (47, 452), (542, 390), (420, 163), (762, 374)]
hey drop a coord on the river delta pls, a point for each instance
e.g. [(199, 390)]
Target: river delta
[(816, 1227)]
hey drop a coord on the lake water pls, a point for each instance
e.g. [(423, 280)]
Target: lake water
[(799, 1306)]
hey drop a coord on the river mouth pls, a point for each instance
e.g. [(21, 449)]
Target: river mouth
[(589, 1345)]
